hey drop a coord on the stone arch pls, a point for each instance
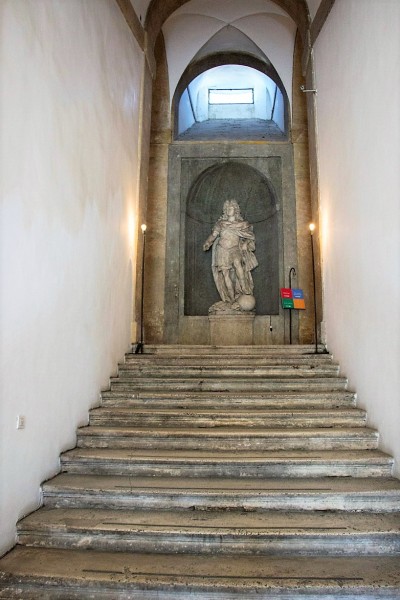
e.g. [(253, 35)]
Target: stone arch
[(257, 200), (166, 321), (196, 68), (159, 11)]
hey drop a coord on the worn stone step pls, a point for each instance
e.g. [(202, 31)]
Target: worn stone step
[(232, 384), (328, 493), (223, 371), (32, 573), (200, 463), (149, 361), (214, 532), (243, 369), (215, 400), (228, 353), (245, 351), (272, 418), (228, 438)]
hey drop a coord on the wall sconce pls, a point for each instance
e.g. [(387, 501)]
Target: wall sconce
[(140, 344), (311, 227)]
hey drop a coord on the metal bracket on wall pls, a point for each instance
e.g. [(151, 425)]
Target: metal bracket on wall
[(302, 87)]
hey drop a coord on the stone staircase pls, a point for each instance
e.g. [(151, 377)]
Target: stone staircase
[(217, 473)]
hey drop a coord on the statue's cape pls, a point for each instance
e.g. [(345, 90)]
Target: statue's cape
[(244, 231)]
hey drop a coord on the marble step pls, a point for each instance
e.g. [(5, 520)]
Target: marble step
[(230, 360), (228, 438), (232, 384), (54, 574), (272, 418), (215, 400), (239, 364), (133, 371), (123, 492), (214, 532), (245, 351), (200, 463)]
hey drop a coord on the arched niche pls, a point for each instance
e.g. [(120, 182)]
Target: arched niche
[(257, 200), (203, 64)]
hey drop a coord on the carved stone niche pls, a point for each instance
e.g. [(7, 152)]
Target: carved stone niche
[(201, 179), (255, 196)]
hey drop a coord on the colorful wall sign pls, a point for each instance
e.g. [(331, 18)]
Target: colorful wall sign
[(292, 298)]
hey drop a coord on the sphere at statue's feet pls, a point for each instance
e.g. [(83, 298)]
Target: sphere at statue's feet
[(246, 302)]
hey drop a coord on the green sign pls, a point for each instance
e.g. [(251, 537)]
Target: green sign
[(287, 303)]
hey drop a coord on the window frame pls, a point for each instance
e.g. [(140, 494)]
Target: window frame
[(234, 91)]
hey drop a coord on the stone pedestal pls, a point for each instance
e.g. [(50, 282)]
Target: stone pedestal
[(231, 330)]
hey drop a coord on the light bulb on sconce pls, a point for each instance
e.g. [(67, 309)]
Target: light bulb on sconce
[(311, 227), (143, 228)]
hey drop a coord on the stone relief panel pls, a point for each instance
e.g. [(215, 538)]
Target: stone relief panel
[(201, 177)]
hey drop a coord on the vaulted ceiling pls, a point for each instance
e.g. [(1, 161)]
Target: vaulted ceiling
[(153, 13), (193, 27), (235, 25)]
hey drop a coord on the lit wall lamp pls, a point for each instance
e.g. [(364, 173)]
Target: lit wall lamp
[(140, 344), (312, 229), (303, 89)]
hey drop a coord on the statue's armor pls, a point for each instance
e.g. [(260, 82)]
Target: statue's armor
[(227, 249), (233, 245)]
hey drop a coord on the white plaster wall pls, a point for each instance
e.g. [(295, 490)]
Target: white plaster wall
[(234, 111), (358, 79), (279, 112), (269, 96), (275, 35), (70, 88), (231, 10), (186, 118)]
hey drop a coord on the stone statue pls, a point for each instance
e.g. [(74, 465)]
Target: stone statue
[(233, 259)]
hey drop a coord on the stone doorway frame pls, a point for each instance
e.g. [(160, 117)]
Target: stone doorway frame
[(179, 328)]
